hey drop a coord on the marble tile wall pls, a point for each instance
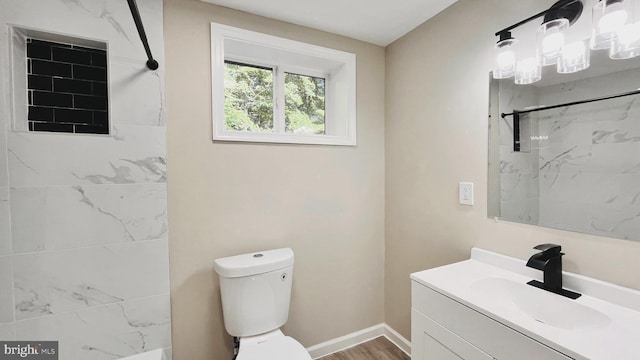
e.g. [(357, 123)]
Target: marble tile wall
[(7, 331), (5, 222), (83, 218), (109, 214), (104, 332)]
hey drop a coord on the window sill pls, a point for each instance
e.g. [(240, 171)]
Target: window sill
[(234, 136)]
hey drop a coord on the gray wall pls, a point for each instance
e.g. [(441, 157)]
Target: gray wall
[(83, 227), (436, 135), (325, 202)]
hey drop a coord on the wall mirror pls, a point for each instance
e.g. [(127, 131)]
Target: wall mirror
[(575, 166)]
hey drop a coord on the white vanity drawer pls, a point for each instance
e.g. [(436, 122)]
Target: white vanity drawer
[(430, 341), (488, 335)]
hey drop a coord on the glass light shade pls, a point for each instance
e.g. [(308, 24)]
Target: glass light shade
[(574, 57), (608, 17), (528, 71), (505, 59), (627, 44), (550, 40)]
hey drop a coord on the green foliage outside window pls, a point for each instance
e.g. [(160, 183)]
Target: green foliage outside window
[(304, 104), (248, 102), (248, 98)]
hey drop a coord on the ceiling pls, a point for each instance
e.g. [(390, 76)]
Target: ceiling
[(376, 21)]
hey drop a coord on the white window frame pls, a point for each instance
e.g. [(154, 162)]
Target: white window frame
[(338, 68)]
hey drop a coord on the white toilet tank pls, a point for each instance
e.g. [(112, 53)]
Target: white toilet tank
[(255, 290)]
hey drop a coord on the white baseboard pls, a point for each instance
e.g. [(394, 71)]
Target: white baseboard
[(359, 337), (397, 339), (346, 341)]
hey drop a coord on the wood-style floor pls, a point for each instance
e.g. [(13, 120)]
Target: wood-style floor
[(376, 349)]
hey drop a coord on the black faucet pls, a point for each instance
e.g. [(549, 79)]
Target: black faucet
[(549, 260)]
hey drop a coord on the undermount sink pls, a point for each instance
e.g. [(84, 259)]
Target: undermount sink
[(544, 307)]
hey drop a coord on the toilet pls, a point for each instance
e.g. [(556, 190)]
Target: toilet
[(256, 291)]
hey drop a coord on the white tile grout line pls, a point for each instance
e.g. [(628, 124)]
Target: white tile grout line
[(88, 185), (125, 243), (96, 307)]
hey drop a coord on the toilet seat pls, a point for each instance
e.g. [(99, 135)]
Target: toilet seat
[(273, 348)]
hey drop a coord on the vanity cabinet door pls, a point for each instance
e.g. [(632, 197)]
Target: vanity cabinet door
[(430, 341)]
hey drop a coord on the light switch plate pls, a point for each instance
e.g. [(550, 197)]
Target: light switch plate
[(466, 193)]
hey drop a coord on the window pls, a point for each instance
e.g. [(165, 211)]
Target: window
[(270, 89)]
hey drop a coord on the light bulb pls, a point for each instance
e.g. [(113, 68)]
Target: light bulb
[(573, 57), (552, 43), (528, 64), (614, 18), (528, 71), (550, 40), (573, 50), (629, 34), (609, 16), (627, 44), (505, 59)]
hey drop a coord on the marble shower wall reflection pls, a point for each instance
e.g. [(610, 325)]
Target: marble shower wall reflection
[(83, 218), (581, 170), (518, 170)]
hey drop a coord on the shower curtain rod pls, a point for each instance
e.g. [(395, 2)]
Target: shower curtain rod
[(151, 63), (517, 112)]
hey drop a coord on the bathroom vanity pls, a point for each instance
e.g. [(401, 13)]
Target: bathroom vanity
[(483, 308)]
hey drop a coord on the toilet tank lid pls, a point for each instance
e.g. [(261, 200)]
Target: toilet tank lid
[(254, 263)]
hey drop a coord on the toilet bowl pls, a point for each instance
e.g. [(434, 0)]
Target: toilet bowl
[(255, 290), (271, 346)]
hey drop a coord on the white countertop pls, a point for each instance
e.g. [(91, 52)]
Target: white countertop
[(604, 323)]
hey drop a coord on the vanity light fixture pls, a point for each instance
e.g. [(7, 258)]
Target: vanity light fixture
[(612, 29)]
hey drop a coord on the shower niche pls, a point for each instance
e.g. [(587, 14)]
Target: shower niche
[(59, 83)]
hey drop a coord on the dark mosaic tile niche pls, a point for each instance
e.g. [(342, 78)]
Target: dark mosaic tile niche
[(67, 88)]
